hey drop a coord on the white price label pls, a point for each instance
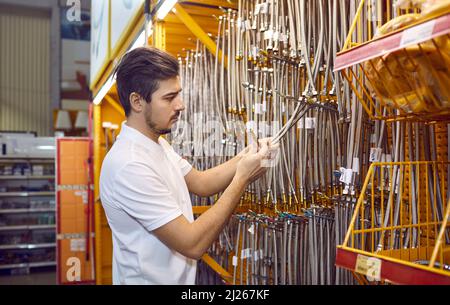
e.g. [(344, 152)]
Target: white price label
[(235, 261), (417, 33), (369, 266), (264, 8), (268, 34), (373, 138), (346, 176), (251, 229), (248, 25), (254, 25), (78, 245), (276, 36), (375, 154), (83, 195), (310, 123), (251, 125), (258, 108), (388, 158), (257, 8), (397, 181), (248, 253), (355, 165), (254, 51)]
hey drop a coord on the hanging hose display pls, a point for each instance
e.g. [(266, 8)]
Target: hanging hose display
[(275, 78)]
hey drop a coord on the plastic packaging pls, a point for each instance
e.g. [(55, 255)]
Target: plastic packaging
[(415, 79)]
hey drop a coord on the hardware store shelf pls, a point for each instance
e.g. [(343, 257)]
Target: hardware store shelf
[(12, 160), (32, 227), (27, 177), (393, 42), (17, 211), (402, 251), (26, 194), (392, 270), (27, 246), (28, 265)]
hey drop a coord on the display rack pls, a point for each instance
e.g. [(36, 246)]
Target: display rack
[(27, 213), (402, 75), (405, 245), (399, 231)]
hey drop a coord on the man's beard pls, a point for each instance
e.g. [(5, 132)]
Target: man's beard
[(152, 125)]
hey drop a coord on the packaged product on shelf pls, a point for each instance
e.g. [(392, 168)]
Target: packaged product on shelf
[(38, 170), (414, 79), (7, 170)]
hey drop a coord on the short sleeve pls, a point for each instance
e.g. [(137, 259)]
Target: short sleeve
[(142, 194), (183, 164)]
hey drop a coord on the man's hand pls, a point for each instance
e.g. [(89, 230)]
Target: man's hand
[(273, 151), (273, 148), (250, 167)]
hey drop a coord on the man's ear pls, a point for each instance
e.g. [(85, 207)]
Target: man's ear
[(136, 102)]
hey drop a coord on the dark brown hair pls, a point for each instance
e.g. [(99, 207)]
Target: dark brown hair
[(140, 71)]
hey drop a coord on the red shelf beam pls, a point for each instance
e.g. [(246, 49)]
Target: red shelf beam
[(394, 272)]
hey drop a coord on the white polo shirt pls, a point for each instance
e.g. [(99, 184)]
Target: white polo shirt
[(142, 188)]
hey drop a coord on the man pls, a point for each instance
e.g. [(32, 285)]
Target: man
[(145, 185)]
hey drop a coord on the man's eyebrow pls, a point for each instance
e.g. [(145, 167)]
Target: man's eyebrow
[(172, 93)]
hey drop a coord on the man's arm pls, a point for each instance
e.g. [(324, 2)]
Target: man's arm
[(212, 181), (193, 239), (216, 179)]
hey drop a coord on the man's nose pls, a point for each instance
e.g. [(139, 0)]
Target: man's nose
[(179, 105)]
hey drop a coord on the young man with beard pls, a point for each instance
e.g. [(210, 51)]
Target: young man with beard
[(145, 185)]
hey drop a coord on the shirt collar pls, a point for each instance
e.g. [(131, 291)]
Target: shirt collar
[(135, 135)]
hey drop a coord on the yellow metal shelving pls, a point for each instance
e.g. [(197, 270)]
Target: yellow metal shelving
[(404, 74), (399, 231)]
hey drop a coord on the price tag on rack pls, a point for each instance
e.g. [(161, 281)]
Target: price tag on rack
[(417, 33), (369, 266)]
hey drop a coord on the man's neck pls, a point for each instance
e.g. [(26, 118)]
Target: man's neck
[(143, 128)]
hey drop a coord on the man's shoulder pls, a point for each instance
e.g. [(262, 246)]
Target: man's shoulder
[(128, 151)]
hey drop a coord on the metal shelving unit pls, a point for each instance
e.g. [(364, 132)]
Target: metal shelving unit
[(25, 240), (28, 246), (9, 160), (27, 177), (399, 229), (26, 194), (28, 265), (32, 227), (17, 211)]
